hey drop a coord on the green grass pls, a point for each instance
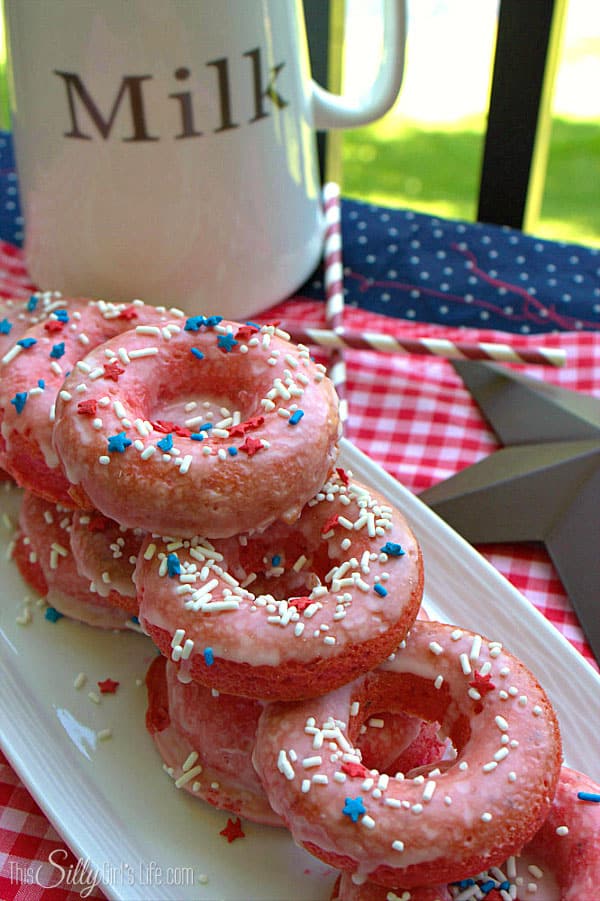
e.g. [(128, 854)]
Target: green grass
[(436, 171), (432, 169)]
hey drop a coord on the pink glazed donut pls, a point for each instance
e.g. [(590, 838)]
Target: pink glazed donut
[(338, 590), (45, 530), (26, 560), (17, 315), (205, 740), (569, 839), (464, 815), (564, 852), (106, 554), (32, 373), (209, 427)]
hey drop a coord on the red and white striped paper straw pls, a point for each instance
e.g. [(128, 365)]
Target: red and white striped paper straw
[(334, 287), (436, 347)]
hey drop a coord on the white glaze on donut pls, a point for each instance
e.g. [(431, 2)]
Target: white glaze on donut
[(205, 740), (32, 373), (47, 529), (470, 814), (346, 586), (562, 860), (106, 554), (569, 841), (206, 429), (17, 315)]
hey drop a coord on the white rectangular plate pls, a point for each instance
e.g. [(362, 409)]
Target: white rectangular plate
[(111, 800)]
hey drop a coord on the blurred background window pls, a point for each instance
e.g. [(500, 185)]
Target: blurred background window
[(426, 153)]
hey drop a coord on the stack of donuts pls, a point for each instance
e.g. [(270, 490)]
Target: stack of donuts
[(183, 472)]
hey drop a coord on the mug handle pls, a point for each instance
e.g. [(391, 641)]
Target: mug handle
[(335, 111)]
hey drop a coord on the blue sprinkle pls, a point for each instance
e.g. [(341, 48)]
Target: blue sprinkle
[(232, 451), (27, 342), (32, 303), (588, 796), (504, 886), (166, 443), (61, 315), (226, 342), (209, 657), (276, 560), (380, 590), (253, 324), (136, 620), (193, 324), (487, 886), (173, 565), (19, 401), (58, 350), (5, 326), (353, 808), (118, 442), (41, 384), (296, 417), (200, 434), (197, 353), (392, 550), (52, 614)]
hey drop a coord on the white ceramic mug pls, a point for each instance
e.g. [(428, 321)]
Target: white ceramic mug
[(165, 148)]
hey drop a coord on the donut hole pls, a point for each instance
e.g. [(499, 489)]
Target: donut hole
[(417, 728), (190, 392), (285, 567), (394, 743)]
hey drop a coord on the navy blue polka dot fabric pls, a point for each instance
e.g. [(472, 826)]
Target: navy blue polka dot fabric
[(413, 266), (11, 219), (418, 267)]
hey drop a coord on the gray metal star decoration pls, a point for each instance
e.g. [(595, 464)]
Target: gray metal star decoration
[(542, 485)]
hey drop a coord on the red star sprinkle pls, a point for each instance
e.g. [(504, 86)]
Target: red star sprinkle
[(482, 684), (354, 769), (251, 446), (97, 523), (87, 407), (343, 475), (233, 830), (241, 428), (54, 325), (112, 370), (108, 686), (245, 332), (129, 312), (300, 603), (163, 425), (274, 324), (330, 524)]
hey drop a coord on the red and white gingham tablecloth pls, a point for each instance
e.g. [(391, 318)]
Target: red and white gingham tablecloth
[(414, 417)]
